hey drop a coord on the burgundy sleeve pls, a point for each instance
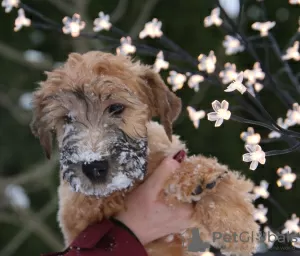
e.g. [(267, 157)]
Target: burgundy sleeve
[(107, 238)]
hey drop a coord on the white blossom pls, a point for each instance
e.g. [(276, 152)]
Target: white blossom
[(261, 190), (177, 80), (256, 155), (207, 63), (287, 177), (126, 46), (270, 237), (160, 62), (213, 18), (282, 124), (237, 84), (252, 75), (195, 116), (34, 56), (294, 2), (21, 20), (17, 196), (292, 52), (152, 29), (221, 112), (25, 101), (194, 81), (229, 73), (293, 116), (73, 25), (296, 242), (263, 27), (250, 137), (232, 45), (260, 214), (291, 225), (102, 22), (9, 4)]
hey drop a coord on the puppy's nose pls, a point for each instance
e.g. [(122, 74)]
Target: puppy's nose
[(95, 171)]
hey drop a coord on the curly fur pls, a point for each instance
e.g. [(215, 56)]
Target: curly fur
[(96, 79)]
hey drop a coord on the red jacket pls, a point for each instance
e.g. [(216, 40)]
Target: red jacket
[(107, 238)]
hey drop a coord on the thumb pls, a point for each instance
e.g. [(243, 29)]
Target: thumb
[(162, 173)]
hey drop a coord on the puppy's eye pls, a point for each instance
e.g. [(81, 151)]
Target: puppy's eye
[(116, 109), (68, 119)]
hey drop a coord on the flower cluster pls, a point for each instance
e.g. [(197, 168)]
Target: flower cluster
[(160, 62), (21, 20), (152, 29), (292, 52), (207, 63), (221, 112), (213, 18), (254, 77), (229, 73), (287, 177), (263, 27), (260, 214), (232, 45), (256, 155), (261, 190), (194, 81), (195, 116), (9, 4), (102, 23), (177, 80), (126, 46), (291, 225), (250, 137), (73, 25)]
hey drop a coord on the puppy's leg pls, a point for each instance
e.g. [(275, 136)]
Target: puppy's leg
[(222, 203)]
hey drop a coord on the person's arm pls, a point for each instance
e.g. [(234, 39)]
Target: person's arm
[(109, 237)]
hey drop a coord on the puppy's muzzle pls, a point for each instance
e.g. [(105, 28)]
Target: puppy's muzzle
[(96, 171)]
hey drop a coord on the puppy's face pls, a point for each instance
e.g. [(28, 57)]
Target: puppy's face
[(99, 117)]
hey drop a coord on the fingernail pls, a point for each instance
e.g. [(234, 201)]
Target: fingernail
[(180, 156)]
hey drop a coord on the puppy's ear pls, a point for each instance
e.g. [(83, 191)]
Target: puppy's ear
[(163, 103), (39, 128)]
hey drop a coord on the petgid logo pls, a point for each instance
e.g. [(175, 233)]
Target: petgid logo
[(247, 237)]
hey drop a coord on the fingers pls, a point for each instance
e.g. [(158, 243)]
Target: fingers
[(162, 173)]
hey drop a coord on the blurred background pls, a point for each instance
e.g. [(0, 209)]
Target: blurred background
[(28, 182)]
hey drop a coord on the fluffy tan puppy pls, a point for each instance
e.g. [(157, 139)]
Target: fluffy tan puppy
[(99, 106)]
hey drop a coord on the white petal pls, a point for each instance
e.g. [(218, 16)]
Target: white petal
[(240, 77), (250, 148), (219, 122), (242, 89), (247, 157), (253, 165), (230, 88), (213, 116), (262, 160), (216, 105), (224, 104)]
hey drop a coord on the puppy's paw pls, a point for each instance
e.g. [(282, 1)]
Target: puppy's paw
[(221, 199), (197, 176)]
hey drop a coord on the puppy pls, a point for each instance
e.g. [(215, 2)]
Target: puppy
[(99, 107)]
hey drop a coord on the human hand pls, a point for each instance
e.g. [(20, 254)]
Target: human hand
[(147, 216)]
